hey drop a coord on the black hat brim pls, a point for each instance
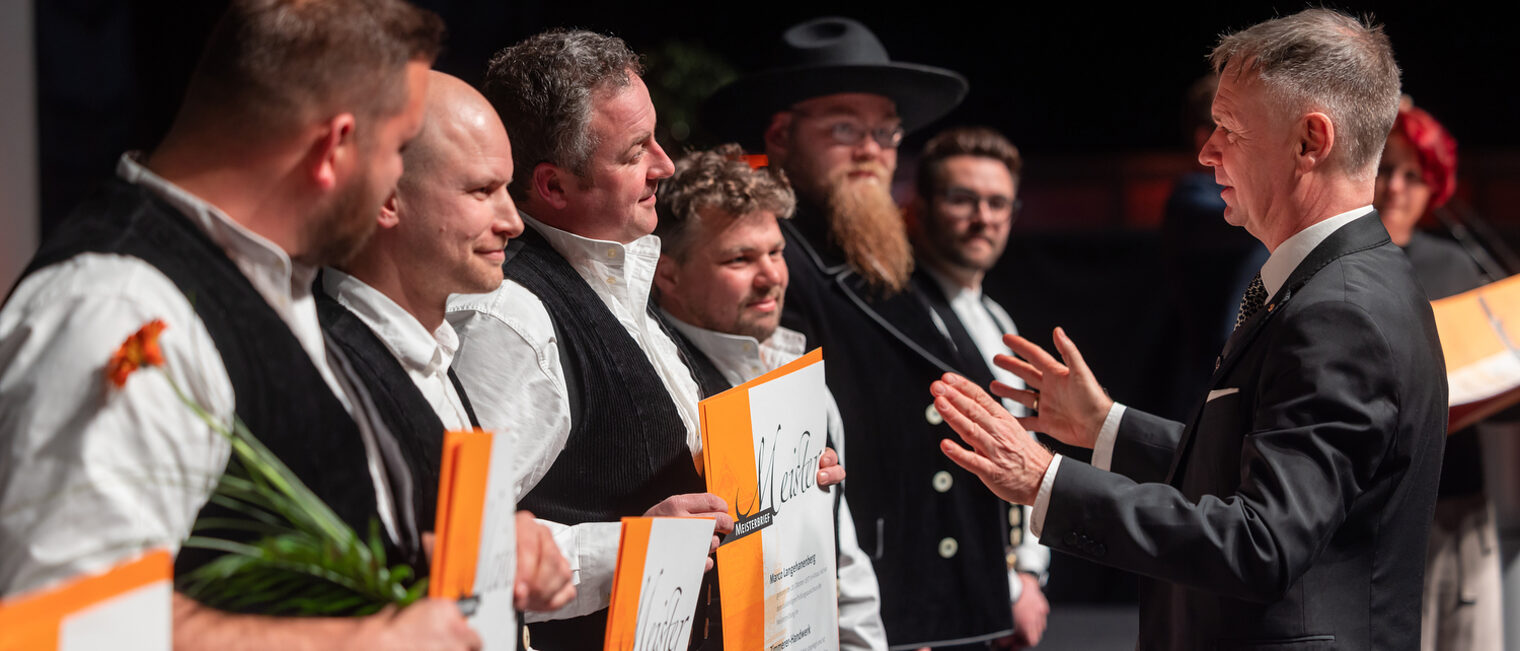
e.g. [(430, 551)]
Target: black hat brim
[(742, 110)]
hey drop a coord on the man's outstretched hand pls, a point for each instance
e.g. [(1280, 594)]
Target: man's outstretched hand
[(1070, 404), (1002, 453)]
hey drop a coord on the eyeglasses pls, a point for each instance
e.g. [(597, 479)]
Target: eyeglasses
[(850, 132), (961, 204)]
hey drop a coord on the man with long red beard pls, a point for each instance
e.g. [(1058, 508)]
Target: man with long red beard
[(832, 112)]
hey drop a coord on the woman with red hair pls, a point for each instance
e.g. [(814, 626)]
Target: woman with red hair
[(1418, 173), (1461, 607)]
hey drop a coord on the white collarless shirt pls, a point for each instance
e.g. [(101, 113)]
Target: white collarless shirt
[(1274, 272), (91, 475), (424, 355), (509, 362), (986, 322)]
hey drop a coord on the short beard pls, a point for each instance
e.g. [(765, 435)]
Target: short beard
[(868, 225), (341, 228)]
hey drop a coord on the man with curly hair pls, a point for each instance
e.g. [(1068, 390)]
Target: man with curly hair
[(722, 284)]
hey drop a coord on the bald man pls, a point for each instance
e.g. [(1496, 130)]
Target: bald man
[(443, 230)]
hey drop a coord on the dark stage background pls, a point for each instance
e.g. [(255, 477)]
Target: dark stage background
[(1092, 96)]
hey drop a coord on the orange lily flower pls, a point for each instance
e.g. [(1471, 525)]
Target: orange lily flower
[(140, 349)]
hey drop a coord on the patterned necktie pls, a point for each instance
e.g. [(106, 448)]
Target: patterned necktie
[(1255, 297)]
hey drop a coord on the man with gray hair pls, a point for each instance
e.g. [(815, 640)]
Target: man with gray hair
[(1293, 510), (567, 354)]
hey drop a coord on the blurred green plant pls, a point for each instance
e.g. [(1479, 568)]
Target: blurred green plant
[(681, 75), (303, 559)]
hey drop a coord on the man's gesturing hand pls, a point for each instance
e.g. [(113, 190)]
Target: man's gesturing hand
[(543, 575), (1071, 405), (701, 505), (1002, 453)]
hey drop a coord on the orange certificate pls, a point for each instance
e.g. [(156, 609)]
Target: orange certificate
[(125, 608), (657, 584), (475, 549), (1480, 336), (761, 444)]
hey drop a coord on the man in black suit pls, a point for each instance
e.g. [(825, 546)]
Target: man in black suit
[(1294, 508)]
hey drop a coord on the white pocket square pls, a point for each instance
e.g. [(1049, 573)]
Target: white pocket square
[(1220, 393)]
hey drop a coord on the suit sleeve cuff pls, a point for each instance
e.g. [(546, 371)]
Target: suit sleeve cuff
[(1042, 501), (1103, 449)]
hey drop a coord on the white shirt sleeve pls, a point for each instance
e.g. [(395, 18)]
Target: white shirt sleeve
[(1103, 454), (1042, 500), (1103, 448), (92, 474), (509, 364), (591, 549)]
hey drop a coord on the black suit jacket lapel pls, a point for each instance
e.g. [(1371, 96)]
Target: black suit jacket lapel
[(1360, 234), (1363, 233)]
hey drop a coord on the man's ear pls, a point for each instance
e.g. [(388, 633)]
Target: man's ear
[(549, 185), (390, 211), (332, 155), (1316, 137), (665, 274), (778, 136)]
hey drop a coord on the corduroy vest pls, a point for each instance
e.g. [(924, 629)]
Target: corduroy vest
[(627, 445)]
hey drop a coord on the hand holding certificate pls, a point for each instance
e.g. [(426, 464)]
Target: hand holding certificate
[(762, 442), (475, 556), (656, 588)]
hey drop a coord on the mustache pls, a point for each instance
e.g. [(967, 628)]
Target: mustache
[(774, 292), (876, 169)]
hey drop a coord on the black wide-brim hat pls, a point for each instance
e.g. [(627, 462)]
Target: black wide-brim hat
[(825, 56)]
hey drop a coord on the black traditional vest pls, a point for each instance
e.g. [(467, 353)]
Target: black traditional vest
[(400, 404), (627, 445), (407, 413), (280, 395)]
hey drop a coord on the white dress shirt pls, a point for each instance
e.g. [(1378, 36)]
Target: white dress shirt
[(986, 322), (1274, 272), (424, 355), (90, 474), (741, 359), (509, 363)]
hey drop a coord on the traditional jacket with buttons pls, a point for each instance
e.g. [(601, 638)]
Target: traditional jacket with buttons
[(935, 533)]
